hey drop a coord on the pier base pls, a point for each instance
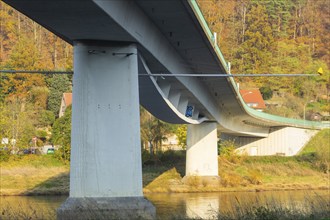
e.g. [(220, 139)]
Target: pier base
[(106, 208)]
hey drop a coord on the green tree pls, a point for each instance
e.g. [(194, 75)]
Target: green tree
[(279, 13), (61, 135), (17, 123), (266, 92), (181, 134), (258, 41), (38, 97), (153, 131), (44, 118), (58, 85), (24, 55)]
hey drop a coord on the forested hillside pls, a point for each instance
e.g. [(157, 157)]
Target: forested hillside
[(275, 36), (29, 103)]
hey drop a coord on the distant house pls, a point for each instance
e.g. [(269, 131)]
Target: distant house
[(253, 98), (66, 101), (171, 143)]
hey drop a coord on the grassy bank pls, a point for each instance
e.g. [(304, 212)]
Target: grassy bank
[(35, 174), (247, 174), (308, 170)]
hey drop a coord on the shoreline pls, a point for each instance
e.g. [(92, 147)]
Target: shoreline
[(260, 188)]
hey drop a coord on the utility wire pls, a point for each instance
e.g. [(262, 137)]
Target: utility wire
[(37, 71), (169, 74)]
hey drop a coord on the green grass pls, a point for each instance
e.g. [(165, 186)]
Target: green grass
[(32, 160), (319, 144)]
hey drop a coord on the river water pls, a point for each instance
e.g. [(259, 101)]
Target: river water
[(191, 205)]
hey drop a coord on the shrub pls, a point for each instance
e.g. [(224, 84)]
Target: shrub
[(254, 177), (4, 155), (231, 179), (63, 153), (170, 156), (145, 156), (266, 92), (226, 147), (194, 181)]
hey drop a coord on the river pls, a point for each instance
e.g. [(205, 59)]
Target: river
[(191, 205)]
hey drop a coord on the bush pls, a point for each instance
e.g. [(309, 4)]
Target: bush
[(170, 156), (46, 118), (63, 153), (254, 177), (145, 156), (266, 92), (231, 180), (226, 147), (4, 155)]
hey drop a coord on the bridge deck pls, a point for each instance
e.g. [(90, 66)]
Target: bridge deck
[(172, 37)]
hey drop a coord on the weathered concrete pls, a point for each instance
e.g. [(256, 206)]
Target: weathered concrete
[(106, 168), (105, 144), (202, 150), (106, 208), (281, 141)]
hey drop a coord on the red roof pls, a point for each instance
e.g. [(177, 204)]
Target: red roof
[(253, 98), (67, 98)]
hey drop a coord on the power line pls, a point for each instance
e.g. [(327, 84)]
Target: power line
[(169, 74), (227, 75), (36, 71)]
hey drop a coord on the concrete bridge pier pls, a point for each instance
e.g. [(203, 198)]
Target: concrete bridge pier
[(202, 154), (106, 169)]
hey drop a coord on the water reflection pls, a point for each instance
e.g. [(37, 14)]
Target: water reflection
[(202, 207), (169, 206), (30, 207), (208, 205)]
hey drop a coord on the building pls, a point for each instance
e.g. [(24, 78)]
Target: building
[(66, 101), (253, 98)]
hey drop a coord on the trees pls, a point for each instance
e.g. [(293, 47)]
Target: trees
[(61, 135), (258, 42), (153, 131), (16, 124), (181, 133), (282, 36), (58, 84)]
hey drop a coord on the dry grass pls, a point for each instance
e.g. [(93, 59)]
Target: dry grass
[(246, 174), (45, 175), (165, 182), (35, 175)]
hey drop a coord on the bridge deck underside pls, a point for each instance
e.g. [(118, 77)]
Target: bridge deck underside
[(179, 28)]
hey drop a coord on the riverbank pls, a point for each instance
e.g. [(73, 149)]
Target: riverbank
[(45, 175), (33, 175), (249, 174), (306, 171)]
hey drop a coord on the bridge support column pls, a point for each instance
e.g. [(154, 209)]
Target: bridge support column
[(202, 154), (106, 169)]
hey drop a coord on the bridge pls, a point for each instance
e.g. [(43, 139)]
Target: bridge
[(119, 46)]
